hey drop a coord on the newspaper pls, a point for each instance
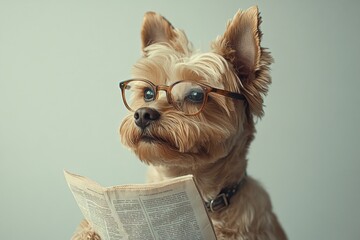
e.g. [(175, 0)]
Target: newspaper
[(171, 209)]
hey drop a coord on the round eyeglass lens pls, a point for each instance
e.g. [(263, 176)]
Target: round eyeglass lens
[(188, 97), (138, 93)]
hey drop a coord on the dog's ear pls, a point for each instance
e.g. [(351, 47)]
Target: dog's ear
[(240, 45), (242, 37), (156, 29)]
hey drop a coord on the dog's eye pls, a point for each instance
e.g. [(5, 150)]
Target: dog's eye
[(196, 96), (149, 94)]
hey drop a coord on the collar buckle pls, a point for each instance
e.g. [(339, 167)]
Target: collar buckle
[(218, 203), (223, 199)]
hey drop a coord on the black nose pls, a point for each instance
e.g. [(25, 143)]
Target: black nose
[(144, 116)]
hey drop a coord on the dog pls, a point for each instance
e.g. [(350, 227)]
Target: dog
[(195, 113)]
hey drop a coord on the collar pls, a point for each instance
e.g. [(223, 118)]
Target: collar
[(222, 200)]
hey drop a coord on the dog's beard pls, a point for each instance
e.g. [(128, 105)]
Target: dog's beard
[(179, 140)]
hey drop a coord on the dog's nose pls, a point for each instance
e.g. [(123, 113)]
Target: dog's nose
[(144, 116)]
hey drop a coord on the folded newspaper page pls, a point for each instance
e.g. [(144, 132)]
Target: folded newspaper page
[(171, 209)]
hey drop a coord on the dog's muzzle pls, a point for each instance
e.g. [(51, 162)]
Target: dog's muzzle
[(144, 116)]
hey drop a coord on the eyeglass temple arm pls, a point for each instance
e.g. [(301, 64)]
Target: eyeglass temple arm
[(228, 94)]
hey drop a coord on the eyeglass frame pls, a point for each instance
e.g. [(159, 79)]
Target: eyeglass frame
[(207, 89)]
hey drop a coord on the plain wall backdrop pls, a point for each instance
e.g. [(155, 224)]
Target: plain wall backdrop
[(60, 107)]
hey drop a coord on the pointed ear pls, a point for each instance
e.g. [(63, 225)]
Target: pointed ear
[(242, 38), (156, 29), (240, 45)]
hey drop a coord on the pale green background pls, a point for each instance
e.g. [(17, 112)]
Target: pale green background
[(60, 107)]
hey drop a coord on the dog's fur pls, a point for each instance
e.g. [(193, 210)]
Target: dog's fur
[(212, 145)]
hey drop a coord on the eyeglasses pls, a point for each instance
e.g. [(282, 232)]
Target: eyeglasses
[(186, 96)]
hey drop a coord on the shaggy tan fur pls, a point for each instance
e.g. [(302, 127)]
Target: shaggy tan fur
[(212, 145)]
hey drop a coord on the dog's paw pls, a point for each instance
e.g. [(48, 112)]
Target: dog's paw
[(85, 232)]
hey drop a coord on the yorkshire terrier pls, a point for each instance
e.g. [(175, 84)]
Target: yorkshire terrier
[(194, 113)]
